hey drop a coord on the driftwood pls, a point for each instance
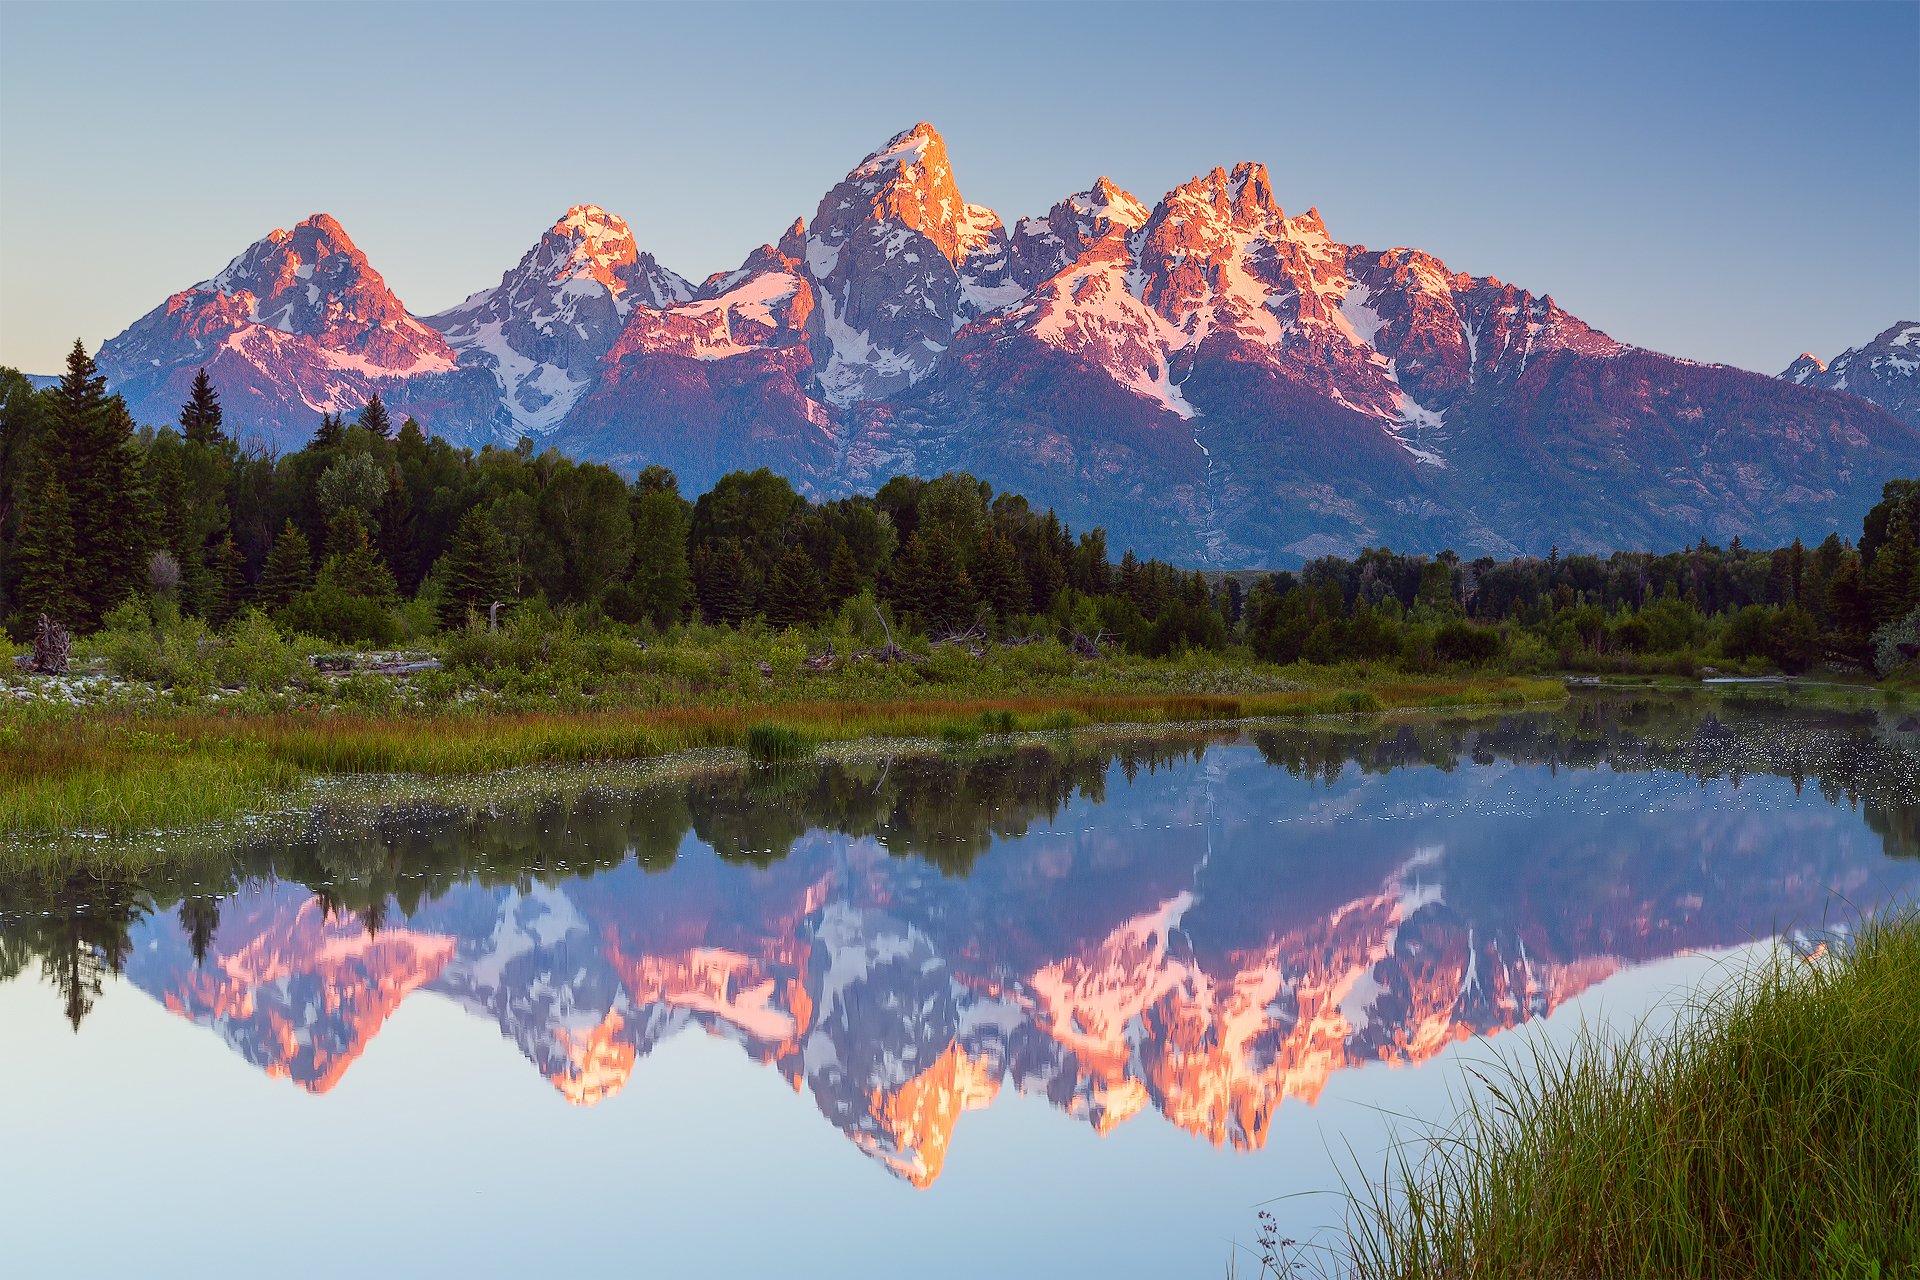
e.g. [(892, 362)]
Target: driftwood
[(819, 661), (1086, 646), (52, 648), (890, 652)]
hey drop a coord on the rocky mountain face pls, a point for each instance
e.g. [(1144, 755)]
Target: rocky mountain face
[(544, 329), (1212, 379), (1885, 371), (297, 326)]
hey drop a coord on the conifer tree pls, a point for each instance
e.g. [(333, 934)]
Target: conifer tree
[(352, 565), (374, 418), (200, 416), (997, 578), (843, 574), (723, 582), (229, 581), (1849, 613), (473, 572), (660, 579), (44, 557), (1890, 580), (328, 435), (794, 595), (289, 568), (89, 450), (398, 542)]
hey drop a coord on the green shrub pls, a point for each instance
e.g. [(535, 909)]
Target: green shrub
[(1887, 657), (256, 655), (333, 613), (960, 735)]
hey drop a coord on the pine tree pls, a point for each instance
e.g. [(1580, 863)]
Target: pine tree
[(200, 416), (289, 568), (89, 450), (723, 582), (473, 572), (352, 565), (398, 543), (1849, 613), (374, 418), (229, 582), (660, 579), (328, 435), (1890, 580), (44, 557), (794, 595), (843, 574), (997, 578), (945, 595)]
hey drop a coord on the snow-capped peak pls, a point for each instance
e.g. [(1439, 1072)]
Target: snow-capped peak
[(917, 145), (544, 328)]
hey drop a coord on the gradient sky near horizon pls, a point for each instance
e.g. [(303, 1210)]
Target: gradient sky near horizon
[(1725, 182)]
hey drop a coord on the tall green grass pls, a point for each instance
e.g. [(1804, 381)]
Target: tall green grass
[(1773, 1132), (128, 772)]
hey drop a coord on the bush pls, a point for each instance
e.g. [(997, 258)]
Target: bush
[(1458, 641), (256, 655), (162, 648), (332, 613), (1887, 657)]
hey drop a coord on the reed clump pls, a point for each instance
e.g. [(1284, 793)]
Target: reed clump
[(1774, 1131)]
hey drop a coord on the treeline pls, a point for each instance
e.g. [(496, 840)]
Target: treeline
[(377, 532), (1839, 603)]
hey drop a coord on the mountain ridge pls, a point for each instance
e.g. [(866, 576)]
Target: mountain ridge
[(1213, 380)]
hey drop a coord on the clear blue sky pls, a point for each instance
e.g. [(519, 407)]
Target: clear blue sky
[(1724, 182)]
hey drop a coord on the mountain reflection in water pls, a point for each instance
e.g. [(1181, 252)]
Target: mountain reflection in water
[(1202, 925)]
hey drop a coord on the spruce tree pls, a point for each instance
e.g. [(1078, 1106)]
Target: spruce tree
[(89, 449), (374, 418), (1848, 610), (843, 574), (1890, 580), (997, 577), (229, 582), (352, 565), (200, 416), (289, 568), (473, 572), (794, 594), (723, 582), (44, 558), (398, 544), (328, 435), (660, 579)]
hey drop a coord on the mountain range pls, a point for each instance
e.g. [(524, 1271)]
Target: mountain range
[(1212, 379)]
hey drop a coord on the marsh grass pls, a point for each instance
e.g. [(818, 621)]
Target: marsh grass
[(120, 773), (1773, 1131)]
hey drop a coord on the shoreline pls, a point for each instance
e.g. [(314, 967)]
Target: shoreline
[(91, 779)]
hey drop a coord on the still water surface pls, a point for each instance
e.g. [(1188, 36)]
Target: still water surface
[(1070, 1008)]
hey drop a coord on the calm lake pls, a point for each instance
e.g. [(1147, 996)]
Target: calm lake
[(1070, 1007)]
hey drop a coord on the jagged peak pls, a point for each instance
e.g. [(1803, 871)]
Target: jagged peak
[(919, 144), (1106, 199)]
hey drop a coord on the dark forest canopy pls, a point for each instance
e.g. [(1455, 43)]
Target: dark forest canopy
[(375, 532)]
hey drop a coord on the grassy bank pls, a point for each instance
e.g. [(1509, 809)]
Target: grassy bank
[(1775, 1131), (140, 761)]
